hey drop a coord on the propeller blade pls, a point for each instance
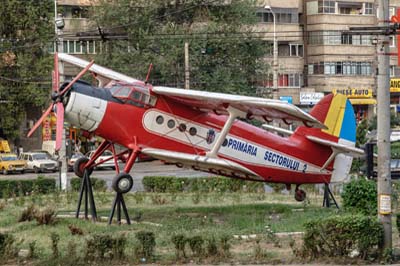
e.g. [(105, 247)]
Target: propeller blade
[(60, 125), (37, 124), (56, 74), (77, 77)]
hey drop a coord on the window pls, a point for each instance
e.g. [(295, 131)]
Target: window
[(326, 6), (136, 94), (341, 68), (294, 80), (296, 50), (337, 38), (368, 8), (282, 15)]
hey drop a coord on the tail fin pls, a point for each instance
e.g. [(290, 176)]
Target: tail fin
[(337, 113)]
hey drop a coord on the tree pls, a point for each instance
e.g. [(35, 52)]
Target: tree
[(225, 53), (26, 29)]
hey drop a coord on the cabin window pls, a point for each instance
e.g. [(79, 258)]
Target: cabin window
[(171, 123), (160, 119), (135, 94)]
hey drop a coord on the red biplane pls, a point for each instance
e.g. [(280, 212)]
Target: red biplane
[(203, 130)]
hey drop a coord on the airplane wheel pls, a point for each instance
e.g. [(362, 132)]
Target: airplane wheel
[(79, 167), (122, 183), (300, 195)]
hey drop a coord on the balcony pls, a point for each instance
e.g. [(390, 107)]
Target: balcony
[(78, 25)]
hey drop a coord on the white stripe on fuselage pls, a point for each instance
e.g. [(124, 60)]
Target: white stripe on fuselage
[(233, 147), (85, 112)]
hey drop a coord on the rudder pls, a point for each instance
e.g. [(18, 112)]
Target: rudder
[(337, 113)]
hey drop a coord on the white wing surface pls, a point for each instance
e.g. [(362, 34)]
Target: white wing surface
[(252, 107)]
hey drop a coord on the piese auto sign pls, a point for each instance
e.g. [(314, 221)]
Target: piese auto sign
[(310, 97)]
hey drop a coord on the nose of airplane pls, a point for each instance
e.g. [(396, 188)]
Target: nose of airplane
[(86, 105)]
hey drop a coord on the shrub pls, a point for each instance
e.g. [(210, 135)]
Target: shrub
[(360, 195), (196, 245), (340, 235), (105, 246), (164, 184), (24, 187), (146, 246), (7, 249), (179, 242), (46, 217), (224, 246), (97, 184), (28, 214), (55, 238)]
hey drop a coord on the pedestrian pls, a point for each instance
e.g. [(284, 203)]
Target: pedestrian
[(20, 150)]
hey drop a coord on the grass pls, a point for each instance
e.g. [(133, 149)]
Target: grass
[(207, 215)]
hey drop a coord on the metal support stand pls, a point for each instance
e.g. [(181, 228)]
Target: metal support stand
[(118, 203), (329, 199), (86, 190)]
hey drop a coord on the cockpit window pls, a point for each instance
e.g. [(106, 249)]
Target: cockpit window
[(134, 94)]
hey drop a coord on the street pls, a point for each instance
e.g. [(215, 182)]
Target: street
[(139, 170)]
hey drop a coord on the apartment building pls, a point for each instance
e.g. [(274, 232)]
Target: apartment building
[(315, 54)]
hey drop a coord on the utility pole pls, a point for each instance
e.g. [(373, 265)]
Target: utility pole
[(187, 67), (383, 134), (62, 158)]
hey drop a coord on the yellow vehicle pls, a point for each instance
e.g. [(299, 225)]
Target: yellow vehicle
[(4, 147), (9, 163)]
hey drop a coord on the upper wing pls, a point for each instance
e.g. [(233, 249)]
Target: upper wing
[(252, 107), (103, 74)]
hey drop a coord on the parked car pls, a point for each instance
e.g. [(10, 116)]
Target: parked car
[(9, 163), (106, 154), (39, 162), (73, 159)]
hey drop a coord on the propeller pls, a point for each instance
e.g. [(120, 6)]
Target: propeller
[(57, 97)]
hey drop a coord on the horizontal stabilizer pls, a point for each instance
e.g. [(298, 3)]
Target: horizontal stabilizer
[(338, 148), (203, 163)]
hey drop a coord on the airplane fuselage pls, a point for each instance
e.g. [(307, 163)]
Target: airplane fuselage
[(169, 125)]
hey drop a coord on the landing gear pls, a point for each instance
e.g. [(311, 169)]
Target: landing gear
[(299, 194), (122, 183), (79, 167)]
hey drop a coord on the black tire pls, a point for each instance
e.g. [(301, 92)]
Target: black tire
[(300, 195), (22, 172), (5, 172), (122, 183), (79, 167), (36, 170)]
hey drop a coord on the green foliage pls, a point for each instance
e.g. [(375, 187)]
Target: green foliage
[(340, 235), (9, 188), (7, 242), (196, 244), (147, 244), (25, 64), (46, 216), (55, 238), (206, 184), (223, 52), (97, 184), (28, 214), (179, 242), (105, 246), (360, 195)]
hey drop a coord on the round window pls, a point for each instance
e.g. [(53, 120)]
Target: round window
[(182, 127), (171, 123), (160, 119), (193, 131)]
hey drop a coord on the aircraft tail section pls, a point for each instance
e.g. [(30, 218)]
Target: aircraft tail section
[(337, 113)]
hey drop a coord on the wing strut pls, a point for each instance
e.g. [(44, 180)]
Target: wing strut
[(233, 114)]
